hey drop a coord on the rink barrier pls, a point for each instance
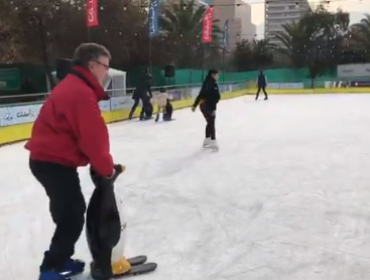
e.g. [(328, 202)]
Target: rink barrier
[(16, 121), (350, 90)]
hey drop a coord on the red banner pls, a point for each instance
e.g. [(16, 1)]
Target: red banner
[(92, 13), (207, 26)]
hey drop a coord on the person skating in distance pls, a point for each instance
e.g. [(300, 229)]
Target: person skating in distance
[(261, 84), (70, 132), (207, 100)]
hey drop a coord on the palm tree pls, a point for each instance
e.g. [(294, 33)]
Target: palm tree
[(181, 24), (315, 41), (361, 32), (294, 42), (261, 53)]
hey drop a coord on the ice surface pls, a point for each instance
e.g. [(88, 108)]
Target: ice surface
[(287, 197)]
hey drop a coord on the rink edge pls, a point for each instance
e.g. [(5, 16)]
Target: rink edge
[(21, 132)]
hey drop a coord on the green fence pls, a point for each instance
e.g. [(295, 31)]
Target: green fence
[(184, 76), (25, 78)]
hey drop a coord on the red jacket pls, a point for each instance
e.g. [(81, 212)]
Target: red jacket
[(70, 129)]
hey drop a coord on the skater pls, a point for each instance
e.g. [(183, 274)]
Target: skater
[(143, 92), (165, 108), (70, 132), (261, 83), (207, 99)]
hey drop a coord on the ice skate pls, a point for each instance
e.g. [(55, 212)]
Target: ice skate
[(52, 275), (213, 145), (206, 142), (71, 267)]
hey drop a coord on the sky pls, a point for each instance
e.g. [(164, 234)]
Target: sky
[(356, 8)]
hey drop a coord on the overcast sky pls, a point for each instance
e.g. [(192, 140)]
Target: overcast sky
[(356, 8)]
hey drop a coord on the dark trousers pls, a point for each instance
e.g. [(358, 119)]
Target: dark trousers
[(67, 208), (167, 116), (133, 108), (147, 110), (210, 119), (264, 91)]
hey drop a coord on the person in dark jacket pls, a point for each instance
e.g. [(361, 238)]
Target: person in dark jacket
[(207, 100), (70, 132), (261, 84), (143, 92)]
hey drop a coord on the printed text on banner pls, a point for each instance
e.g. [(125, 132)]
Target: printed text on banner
[(207, 26), (92, 13), (19, 114), (153, 18)]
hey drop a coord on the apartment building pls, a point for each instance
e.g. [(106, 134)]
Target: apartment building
[(280, 12), (239, 16)]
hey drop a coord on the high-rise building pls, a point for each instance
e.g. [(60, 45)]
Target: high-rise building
[(280, 12), (239, 16)]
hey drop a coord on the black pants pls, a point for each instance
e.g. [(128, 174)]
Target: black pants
[(210, 119), (133, 108), (147, 110), (167, 116), (264, 91), (67, 207)]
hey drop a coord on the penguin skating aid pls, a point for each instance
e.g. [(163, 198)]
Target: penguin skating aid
[(106, 234)]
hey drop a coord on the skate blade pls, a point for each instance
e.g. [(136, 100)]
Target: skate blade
[(137, 270), (213, 149), (137, 260)]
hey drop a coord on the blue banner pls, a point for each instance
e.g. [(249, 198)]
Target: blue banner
[(360, 83), (225, 40), (153, 18)]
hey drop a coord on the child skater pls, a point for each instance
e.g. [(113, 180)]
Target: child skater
[(165, 108)]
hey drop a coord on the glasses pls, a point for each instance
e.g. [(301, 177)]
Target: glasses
[(102, 64)]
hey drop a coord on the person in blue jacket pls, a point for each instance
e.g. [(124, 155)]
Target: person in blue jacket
[(261, 84)]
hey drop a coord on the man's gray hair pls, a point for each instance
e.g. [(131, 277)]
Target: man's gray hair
[(87, 52)]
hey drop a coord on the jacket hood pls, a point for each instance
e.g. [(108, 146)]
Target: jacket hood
[(92, 82)]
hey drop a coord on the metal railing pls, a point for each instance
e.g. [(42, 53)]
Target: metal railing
[(39, 98)]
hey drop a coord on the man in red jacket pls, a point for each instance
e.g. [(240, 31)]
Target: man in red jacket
[(70, 132)]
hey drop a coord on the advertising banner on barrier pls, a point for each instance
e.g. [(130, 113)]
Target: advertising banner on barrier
[(195, 91), (285, 85), (225, 88), (19, 114), (104, 105), (360, 83), (121, 103), (291, 85), (175, 94), (273, 85), (336, 84), (353, 70)]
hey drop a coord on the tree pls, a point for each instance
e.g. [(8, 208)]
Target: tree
[(261, 53), (41, 31), (315, 41), (252, 55), (360, 34), (181, 25), (242, 56)]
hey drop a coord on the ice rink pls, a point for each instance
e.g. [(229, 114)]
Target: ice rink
[(287, 197)]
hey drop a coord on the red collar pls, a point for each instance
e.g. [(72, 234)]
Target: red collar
[(98, 89)]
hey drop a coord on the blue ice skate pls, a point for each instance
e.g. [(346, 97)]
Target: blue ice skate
[(71, 268), (52, 275)]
